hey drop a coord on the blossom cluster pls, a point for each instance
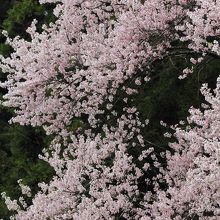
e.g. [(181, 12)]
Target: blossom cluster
[(74, 68)]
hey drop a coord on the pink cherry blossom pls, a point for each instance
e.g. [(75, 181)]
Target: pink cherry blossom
[(75, 68)]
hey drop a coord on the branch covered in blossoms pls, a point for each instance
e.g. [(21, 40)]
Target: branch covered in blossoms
[(73, 69)]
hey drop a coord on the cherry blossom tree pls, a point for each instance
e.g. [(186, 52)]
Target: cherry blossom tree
[(73, 65), (192, 173), (74, 68)]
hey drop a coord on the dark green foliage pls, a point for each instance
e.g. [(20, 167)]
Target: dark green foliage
[(166, 98), (20, 146), (16, 17), (21, 14), (19, 149)]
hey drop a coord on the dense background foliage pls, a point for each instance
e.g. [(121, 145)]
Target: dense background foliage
[(164, 98), (20, 145)]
